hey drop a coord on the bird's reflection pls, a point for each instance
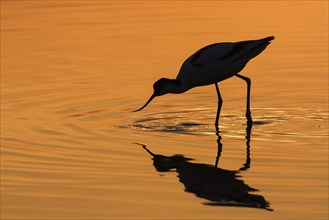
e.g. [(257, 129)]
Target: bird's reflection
[(219, 186)]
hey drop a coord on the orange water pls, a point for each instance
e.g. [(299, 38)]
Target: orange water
[(72, 71)]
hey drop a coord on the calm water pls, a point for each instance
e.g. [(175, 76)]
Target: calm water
[(72, 71)]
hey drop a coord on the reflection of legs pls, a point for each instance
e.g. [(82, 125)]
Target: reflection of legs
[(246, 165), (248, 81), (220, 102), (219, 148), (248, 159)]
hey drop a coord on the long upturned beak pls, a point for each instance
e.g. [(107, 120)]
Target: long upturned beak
[(152, 97)]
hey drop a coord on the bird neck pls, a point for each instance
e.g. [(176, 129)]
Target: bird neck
[(176, 88)]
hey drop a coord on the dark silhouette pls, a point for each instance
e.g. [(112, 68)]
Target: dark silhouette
[(210, 65), (219, 186)]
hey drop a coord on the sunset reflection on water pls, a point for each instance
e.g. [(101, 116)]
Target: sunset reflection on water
[(72, 72)]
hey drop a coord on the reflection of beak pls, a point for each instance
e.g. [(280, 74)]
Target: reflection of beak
[(146, 149), (152, 97)]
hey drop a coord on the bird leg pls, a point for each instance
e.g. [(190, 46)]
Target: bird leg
[(220, 102), (248, 112)]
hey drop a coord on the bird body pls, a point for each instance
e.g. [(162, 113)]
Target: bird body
[(210, 65), (220, 61)]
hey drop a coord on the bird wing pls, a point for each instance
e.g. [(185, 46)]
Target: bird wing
[(221, 51), (212, 52)]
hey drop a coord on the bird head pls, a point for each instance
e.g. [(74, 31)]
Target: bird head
[(161, 87)]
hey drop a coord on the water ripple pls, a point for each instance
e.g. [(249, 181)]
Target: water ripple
[(272, 121)]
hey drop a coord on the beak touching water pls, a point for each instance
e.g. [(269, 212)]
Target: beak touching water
[(152, 97)]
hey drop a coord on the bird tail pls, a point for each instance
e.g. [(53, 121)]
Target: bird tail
[(267, 39), (254, 47)]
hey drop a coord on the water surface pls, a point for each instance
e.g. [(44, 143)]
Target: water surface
[(72, 72)]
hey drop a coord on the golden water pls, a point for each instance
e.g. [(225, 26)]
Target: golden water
[(72, 72)]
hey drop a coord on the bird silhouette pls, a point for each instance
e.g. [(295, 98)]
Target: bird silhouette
[(210, 65)]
